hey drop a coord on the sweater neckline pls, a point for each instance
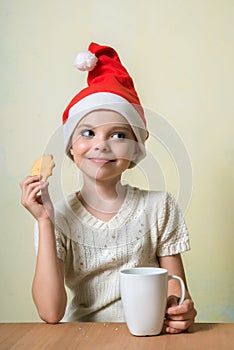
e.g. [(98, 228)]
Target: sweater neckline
[(116, 221)]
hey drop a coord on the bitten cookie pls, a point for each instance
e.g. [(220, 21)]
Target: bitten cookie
[(43, 166)]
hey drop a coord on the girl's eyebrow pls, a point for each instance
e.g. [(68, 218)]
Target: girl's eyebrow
[(85, 126)]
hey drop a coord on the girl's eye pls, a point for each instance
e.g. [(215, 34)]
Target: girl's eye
[(119, 136), (87, 133)]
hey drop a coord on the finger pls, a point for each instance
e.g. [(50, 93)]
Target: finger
[(181, 309), (45, 197), (31, 194), (44, 190), (30, 179), (28, 184), (173, 330), (38, 193), (186, 316), (39, 187), (31, 182), (22, 183), (28, 191), (178, 326)]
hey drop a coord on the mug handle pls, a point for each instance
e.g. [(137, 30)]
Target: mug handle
[(182, 287)]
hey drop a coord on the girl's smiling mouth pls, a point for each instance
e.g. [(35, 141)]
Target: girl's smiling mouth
[(101, 160)]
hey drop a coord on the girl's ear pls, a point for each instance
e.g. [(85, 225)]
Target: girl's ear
[(71, 151)]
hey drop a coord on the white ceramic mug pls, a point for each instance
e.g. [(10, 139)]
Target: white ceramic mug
[(144, 298)]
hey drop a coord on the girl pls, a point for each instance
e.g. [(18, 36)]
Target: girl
[(106, 226)]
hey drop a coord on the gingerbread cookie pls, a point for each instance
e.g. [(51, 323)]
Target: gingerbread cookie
[(43, 166)]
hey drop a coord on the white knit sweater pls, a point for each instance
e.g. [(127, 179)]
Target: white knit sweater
[(148, 225)]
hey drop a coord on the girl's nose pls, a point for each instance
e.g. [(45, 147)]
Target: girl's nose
[(102, 146)]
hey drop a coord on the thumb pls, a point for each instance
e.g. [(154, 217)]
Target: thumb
[(45, 198), (45, 193)]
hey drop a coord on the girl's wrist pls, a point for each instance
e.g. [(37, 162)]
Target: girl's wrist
[(45, 222)]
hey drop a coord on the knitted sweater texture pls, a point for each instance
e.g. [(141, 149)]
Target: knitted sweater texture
[(148, 225)]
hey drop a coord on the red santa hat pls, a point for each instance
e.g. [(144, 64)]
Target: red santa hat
[(110, 87)]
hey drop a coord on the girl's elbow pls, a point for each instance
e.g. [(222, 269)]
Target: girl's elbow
[(51, 317)]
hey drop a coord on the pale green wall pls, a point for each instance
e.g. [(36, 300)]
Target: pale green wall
[(180, 53)]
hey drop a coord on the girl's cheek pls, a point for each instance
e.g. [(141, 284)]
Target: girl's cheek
[(79, 148), (127, 150), (82, 147)]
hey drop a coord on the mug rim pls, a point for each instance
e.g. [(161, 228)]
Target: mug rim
[(143, 271)]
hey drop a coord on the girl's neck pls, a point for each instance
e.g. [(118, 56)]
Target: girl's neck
[(102, 200)]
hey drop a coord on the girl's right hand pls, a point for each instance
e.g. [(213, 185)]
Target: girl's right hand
[(39, 205)]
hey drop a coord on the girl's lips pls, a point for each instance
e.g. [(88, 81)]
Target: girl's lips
[(101, 160)]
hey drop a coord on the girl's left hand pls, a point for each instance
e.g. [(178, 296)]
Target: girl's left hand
[(179, 317)]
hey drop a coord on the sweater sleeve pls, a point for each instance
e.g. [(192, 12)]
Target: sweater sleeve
[(172, 232)]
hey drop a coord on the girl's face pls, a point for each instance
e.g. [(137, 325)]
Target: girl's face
[(103, 145)]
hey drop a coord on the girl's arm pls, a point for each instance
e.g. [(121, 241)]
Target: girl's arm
[(178, 317), (48, 285), (48, 288)]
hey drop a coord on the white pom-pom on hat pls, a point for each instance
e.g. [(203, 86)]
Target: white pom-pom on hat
[(85, 61)]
